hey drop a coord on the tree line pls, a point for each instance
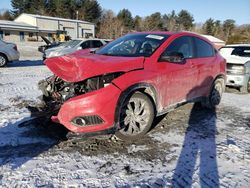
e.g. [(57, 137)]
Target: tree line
[(111, 25)]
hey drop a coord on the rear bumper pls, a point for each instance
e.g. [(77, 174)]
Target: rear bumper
[(100, 103), (237, 80), (14, 56)]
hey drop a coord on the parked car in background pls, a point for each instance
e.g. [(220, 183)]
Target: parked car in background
[(48, 45), (8, 53), (124, 85), (238, 66), (72, 46)]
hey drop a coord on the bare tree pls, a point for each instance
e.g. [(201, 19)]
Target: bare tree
[(110, 26)]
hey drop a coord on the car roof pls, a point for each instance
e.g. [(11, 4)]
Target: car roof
[(85, 39), (237, 45), (177, 33), (167, 32)]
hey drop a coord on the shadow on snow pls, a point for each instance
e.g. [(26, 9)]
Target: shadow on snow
[(26, 139), (25, 63)]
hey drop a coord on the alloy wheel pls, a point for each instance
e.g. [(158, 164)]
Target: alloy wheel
[(2, 61), (136, 117)]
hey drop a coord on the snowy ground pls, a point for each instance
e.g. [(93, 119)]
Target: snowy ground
[(188, 147)]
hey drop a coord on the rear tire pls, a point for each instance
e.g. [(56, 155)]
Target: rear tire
[(136, 117), (3, 60), (215, 95)]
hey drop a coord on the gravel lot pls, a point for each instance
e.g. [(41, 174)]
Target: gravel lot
[(190, 146)]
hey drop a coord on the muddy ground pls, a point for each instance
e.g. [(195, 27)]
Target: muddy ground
[(189, 147), (186, 118)]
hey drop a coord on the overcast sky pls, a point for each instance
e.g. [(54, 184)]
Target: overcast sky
[(239, 10)]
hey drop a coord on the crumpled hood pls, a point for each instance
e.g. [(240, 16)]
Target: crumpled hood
[(237, 59), (78, 67)]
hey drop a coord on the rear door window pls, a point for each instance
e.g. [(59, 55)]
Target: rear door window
[(203, 48), (86, 44), (97, 44)]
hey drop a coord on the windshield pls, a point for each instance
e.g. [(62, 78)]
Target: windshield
[(133, 45), (71, 43), (237, 51)]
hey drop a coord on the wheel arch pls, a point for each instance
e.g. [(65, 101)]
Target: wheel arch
[(3, 54), (144, 88), (223, 77)]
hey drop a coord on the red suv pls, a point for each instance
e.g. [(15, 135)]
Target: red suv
[(123, 86)]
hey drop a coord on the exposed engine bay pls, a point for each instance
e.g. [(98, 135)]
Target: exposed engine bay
[(56, 91)]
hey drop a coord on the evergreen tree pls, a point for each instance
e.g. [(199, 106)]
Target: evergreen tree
[(153, 22), (137, 23), (185, 20), (18, 7), (53, 8), (126, 18), (209, 27), (89, 10), (217, 29), (169, 21), (228, 26)]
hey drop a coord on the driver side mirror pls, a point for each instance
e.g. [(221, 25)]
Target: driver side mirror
[(173, 57)]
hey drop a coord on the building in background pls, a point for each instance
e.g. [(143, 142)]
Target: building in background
[(14, 31), (29, 27), (218, 43)]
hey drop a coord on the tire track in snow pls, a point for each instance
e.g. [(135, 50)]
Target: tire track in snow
[(21, 89)]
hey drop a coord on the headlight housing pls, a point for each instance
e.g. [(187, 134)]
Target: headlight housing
[(236, 69)]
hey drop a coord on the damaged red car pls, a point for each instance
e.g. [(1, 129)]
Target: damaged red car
[(123, 86)]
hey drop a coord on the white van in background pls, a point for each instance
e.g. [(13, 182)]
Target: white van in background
[(238, 66)]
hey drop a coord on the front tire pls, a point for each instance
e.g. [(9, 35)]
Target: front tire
[(246, 88), (3, 60), (136, 117)]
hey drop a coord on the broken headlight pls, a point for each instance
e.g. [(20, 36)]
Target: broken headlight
[(56, 89)]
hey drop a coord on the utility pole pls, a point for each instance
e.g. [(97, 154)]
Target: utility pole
[(77, 14)]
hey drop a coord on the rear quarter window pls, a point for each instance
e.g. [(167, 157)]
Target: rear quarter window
[(203, 48)]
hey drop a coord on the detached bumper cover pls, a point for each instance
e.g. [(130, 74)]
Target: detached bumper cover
[(101, 102)]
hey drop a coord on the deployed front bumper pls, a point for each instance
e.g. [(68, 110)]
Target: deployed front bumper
[(237, 80), (14, 56), (100, 103)]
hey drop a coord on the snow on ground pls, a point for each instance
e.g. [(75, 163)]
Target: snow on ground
[(189, 147)]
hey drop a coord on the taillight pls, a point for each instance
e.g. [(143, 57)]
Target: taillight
[(15, 47)]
